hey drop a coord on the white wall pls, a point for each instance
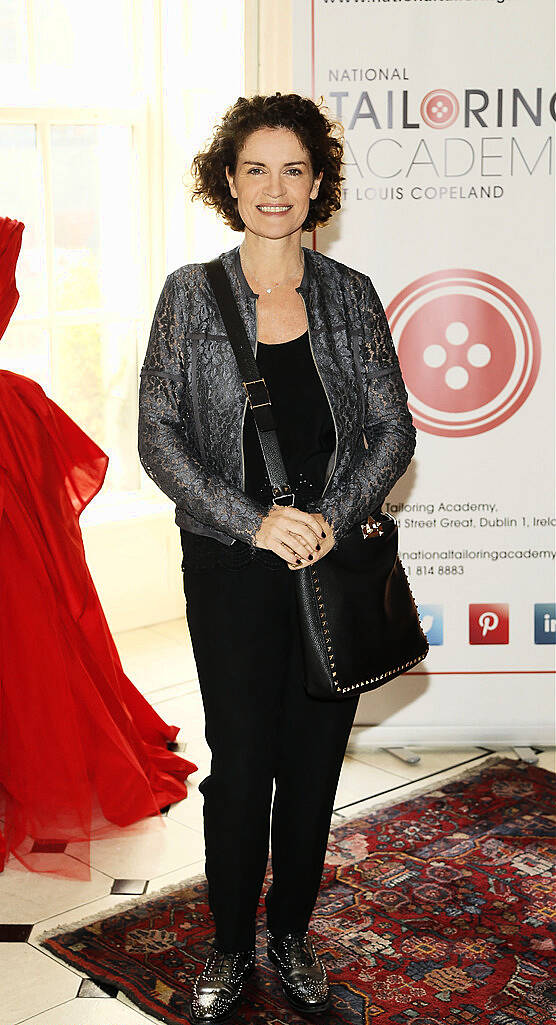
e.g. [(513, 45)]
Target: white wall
[(136, 567)]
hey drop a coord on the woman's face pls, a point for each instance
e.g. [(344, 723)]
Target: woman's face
[(273, 182)]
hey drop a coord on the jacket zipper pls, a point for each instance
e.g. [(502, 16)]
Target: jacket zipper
[(242, 456), (245, 404), (327, 399)]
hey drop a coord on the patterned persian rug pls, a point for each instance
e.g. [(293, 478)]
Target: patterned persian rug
[(437, 910)]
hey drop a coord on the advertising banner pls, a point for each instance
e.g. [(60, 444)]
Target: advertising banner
[(448, 110)]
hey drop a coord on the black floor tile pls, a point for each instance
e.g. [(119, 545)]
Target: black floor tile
[(15, 933), (91, 989), (131, 886), (48, 847)]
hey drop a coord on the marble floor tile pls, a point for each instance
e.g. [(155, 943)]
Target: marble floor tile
[(402, 793), (73, 917), (89, 989), (199, 752), (359, 780), (153, 660), (432, 759), (190, 811), (185, 711), (174, 879), (52, 982), (91, 1012), (547, 759), (176, 629), (32, 896), (173, 690), (148, 848)]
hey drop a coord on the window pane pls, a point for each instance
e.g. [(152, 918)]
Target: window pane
[(14, 68), (25, 350), (96, 218), (22, 199), (193, 101), (84, 50), (95, 382)]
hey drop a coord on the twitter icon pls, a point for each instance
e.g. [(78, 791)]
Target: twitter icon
[(432, 622)]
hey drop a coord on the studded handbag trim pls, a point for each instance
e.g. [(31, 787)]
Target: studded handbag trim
[(383, 677)]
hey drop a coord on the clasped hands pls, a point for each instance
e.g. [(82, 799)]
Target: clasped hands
[(300, 538)]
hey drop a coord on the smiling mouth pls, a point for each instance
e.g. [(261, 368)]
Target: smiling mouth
[(273, 208)]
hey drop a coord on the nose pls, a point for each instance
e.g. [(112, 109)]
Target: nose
[(274, 187)]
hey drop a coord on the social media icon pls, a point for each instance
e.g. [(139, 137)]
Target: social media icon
[(432, 618), (545, 623), (489, 624)]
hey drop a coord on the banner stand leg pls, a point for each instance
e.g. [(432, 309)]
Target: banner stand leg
[(405, 754), (526, 754)]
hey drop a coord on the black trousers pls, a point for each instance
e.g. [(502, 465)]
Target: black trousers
[(262, 729)]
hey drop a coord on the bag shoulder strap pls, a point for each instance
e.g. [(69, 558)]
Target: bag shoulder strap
[(255, 385)]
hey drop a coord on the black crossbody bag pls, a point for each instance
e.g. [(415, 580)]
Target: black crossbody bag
[(359, 623)]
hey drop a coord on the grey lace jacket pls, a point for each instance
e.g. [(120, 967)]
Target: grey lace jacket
[(192, 401)]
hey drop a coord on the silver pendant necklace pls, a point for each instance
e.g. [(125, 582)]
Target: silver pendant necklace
[(278, 283)]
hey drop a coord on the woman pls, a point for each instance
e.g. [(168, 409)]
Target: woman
[(323, 345), (82, 753)]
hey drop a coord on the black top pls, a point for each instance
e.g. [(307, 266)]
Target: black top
[(306, 436)]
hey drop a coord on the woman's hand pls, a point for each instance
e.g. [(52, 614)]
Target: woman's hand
[(325, 545), (294, 535)]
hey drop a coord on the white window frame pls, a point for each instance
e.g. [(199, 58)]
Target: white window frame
[(144, 118)]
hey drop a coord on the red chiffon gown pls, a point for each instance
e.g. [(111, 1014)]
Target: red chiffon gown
[(82, 753)]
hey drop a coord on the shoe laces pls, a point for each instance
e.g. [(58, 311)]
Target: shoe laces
[(221, 963)]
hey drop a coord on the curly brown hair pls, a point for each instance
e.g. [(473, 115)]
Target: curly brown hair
[(319, 135)]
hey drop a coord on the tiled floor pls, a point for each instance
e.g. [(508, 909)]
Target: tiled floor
[(150, 856)]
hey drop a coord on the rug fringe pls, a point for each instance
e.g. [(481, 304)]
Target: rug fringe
[(125, 905)]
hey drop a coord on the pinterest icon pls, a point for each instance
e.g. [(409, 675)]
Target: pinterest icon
[(489, 624)]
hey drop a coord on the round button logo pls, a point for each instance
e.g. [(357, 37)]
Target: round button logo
[(469, 350), (439, 108)]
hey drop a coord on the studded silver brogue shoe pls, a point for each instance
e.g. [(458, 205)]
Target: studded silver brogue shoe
[(302, 973), (218, 986)]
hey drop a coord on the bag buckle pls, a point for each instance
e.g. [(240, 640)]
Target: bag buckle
[(280, 496), (372, 528), (259, 395)]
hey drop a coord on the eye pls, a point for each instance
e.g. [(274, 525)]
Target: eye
[(252, 169), (296, 170)]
